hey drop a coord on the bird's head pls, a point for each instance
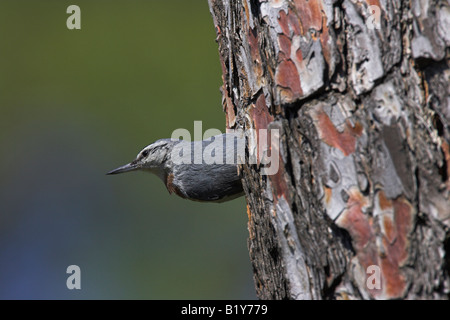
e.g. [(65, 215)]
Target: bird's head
[(152, 158)]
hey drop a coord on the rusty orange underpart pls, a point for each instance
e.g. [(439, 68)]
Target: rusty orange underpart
[(171, 187), (344, 141)]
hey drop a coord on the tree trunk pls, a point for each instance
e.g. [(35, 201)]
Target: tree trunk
[(359, 91)]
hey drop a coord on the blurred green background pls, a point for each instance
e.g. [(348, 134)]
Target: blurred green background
[(77, 103)]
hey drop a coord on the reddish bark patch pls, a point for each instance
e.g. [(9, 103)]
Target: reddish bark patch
[(360, 228), (389, 229), (356, 130), (355, 221), (295, 24), (392, 253), (312, 16), (403, 214), (396, 247), (247, 11), (261, 119), (283, 23), (446, 150), (289, 23), (279, 184), (285, 47), (328, 193), (253, 41), (304, 17), (252, 36), (228, 107), (394, 280), (287, 77), (383, 202), (344, 141), (324, 41), (310, 13), (260, 113), (299, 55), (250, 223)]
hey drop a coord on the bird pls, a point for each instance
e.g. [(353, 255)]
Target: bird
[(204, 170)]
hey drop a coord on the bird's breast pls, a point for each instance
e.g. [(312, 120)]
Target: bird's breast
[(171, 187)]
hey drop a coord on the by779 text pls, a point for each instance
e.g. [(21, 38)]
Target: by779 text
[(246, 309)]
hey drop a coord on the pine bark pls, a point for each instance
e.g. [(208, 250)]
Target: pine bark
[(359, 91)]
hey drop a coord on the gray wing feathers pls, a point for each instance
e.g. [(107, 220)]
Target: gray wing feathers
[(212, 174)]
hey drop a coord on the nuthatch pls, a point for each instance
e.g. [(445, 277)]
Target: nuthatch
[(194, 179)]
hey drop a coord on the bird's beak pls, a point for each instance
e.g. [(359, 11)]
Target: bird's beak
[(128, 167)]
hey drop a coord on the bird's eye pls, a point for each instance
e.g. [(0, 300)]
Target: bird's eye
[(145, 153)]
